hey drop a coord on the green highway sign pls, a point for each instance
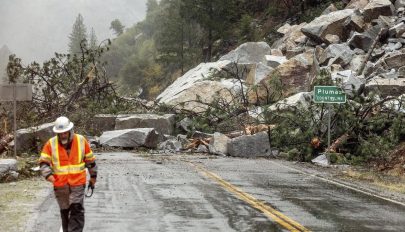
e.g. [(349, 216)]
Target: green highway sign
[(329, 94)]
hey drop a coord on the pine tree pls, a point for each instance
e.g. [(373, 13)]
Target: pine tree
[(215, 17), (93, 39), (78, 36), (176, 37)]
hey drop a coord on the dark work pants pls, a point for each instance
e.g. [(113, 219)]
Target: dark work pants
[(70, 200)]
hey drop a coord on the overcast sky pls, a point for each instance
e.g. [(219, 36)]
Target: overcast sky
[(36, 29)]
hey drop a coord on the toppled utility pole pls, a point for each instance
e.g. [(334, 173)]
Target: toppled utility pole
[(363, 64)]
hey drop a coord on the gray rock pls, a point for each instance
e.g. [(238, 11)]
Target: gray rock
[(332, 23), (386, 87), (392, 74), (171, 145), (401, 72), (356, 62), (248, 53), (7, 165), (258, 73), (182, 139), (199, 86), (360, 40), (399, 4), (375, 8), (250, 146), (274, 61), (102, 122), (336, 53), (321, 160), (130, 138), (349, 82), (397, 30), (219, 144), (329, 9), (13, 175), (33, 137), (164, 124), (332, 39), (185, 124), (301, 99), (395, 60), (294, 51), (202, 149), (276, 52), (394, 46)]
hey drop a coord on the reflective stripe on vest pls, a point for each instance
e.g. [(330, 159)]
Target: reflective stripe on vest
[(70, 168)]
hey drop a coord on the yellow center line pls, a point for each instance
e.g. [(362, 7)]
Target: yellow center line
[(269, 211)]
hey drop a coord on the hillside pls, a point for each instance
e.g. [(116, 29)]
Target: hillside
[(178, 35)]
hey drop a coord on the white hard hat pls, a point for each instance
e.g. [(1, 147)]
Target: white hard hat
[(62, 124)]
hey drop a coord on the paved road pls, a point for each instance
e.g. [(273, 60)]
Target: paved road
[(193, 193)]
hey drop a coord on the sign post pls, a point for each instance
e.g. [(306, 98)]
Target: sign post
[(329, 94), (14, 93)]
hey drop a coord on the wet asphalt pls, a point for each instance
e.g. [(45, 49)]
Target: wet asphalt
[(168, 193)]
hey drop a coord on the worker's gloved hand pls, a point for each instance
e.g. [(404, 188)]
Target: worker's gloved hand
[(51, 179), (92, 182)]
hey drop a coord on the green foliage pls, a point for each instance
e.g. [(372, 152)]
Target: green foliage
[(77, 39), (93, 39), (117, 27), (75, 86), (248, 32)]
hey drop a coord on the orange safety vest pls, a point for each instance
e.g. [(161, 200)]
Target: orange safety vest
[(68, 169)]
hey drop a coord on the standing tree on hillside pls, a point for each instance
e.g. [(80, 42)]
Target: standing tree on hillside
[(93, 39), (176, 38), (215, 17), (78, 36), (117, 27)]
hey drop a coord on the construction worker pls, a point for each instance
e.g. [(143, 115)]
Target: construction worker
[(63, 161), (316, 146)]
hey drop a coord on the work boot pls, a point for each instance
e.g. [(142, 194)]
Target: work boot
[(64, 213), (76, 219)]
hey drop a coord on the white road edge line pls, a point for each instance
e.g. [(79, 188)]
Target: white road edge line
[(341, 184)]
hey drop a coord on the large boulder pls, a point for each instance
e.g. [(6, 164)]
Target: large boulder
[(332, 23), (336, 54), (302, 99), (33, 137), (164, 124), (194, 82), (130, 138), (7, 165), (348, 81), (274, 61), (376, 8), (386, 87), (294, 76), (248, 53), (395, 60), (219, 144), (258, 73), (204, 83), (250, 146), (292, 38), (102, 122), (399, 3), (361, 40)]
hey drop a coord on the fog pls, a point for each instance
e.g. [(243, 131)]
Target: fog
[(36, 29)]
